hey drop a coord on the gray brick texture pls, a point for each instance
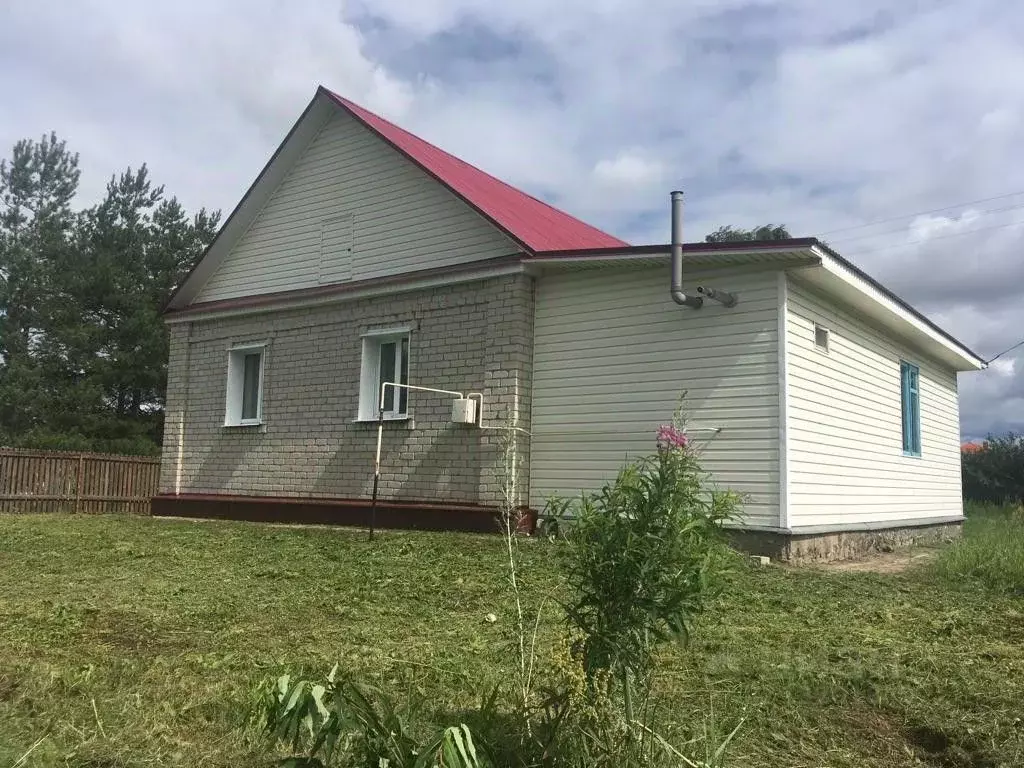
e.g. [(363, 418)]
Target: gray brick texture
[(474, 336)]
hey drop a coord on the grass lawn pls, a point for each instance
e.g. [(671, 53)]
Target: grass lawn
[(132, 641)]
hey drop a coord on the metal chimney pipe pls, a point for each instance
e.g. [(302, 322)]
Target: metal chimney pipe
[(694, 302)]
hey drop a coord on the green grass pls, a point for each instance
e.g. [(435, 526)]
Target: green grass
[(992, 550), (137, 642)]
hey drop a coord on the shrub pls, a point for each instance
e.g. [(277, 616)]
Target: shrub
[(641, 558), (995, 473), (643, 555)]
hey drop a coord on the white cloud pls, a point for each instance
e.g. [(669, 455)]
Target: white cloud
[(821, 116), (629, 168), (1004, 368), (924, 228)]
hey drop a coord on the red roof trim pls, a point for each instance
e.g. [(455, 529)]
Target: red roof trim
[(532, 223)]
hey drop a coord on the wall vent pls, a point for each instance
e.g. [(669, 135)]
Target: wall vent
[(821, 338)]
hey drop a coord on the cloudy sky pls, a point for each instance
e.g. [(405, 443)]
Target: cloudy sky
[(827, 117)]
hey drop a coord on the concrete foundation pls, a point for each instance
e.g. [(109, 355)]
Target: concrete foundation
[(840, 545)]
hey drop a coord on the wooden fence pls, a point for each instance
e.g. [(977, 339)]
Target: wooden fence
[(52, 481)]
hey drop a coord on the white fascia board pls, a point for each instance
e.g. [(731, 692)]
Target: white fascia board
[(843, 273), (737, 255), (598, 258)]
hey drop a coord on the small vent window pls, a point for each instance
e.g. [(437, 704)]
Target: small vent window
[(335, 250), (821, 338)]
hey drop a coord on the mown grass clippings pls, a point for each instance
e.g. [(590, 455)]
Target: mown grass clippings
[(140, 642)]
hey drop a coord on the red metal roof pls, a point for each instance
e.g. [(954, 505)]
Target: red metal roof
[(533, 223)]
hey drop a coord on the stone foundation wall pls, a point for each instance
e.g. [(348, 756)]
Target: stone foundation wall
[(840, 545)]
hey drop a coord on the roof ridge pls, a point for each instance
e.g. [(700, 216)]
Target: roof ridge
[(549, 228), (352, 105)]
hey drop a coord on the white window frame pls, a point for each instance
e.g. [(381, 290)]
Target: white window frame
[(236, 385), (369, 378)]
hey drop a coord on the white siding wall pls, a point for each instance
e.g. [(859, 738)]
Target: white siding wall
[(402, 220), (612, 353), (845, 450)]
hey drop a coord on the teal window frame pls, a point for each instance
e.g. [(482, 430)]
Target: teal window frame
[(910, 401)]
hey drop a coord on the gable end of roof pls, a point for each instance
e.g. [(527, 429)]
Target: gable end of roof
[(532, 223)]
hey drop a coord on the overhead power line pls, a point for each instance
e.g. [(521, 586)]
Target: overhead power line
[(937, 237), (899, 231), (1008, 349), (922, 213)]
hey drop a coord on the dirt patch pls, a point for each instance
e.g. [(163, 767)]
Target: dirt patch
[(129, 631), (939, 748), (881, 562), (929, 745)]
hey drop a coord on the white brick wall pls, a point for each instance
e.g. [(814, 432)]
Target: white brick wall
[(468, 337)]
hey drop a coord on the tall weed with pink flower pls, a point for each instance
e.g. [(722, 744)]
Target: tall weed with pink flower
[(642, 558)]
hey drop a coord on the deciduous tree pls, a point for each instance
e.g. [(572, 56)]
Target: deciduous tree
[(730, 234)]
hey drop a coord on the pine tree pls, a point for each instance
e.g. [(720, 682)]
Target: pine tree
[(36, 224), (135, 246), (83, 345)]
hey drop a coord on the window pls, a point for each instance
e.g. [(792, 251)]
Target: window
[(385, 359), (244, 402), (911, 401), (821, 338)]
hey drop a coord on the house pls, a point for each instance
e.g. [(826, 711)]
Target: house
[(362, 254)]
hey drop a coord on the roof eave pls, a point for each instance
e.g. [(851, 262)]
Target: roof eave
[(340, 292), (941, 343), (745, 246)]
